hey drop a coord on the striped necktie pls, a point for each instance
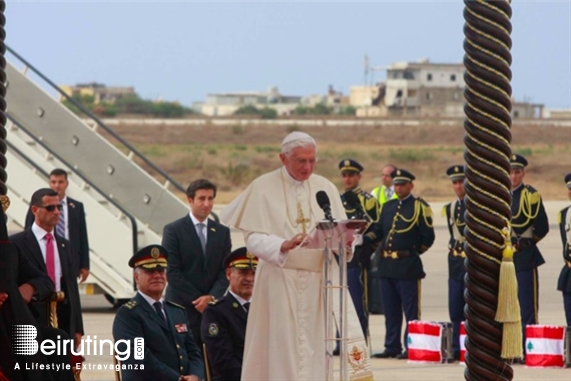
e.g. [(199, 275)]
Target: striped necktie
[(60, 228)]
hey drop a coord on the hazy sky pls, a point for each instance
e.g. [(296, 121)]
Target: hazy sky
[(184, 50)]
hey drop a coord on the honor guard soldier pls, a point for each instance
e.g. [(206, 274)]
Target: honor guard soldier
[(169, 349), (564, 283), (406, 232), (360, 206), (224, 320), (454, 213), (529, 226)]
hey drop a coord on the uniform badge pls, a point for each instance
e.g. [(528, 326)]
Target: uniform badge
[(514, 157), (456, 169), (155, 252), (347, 163), (181, 328), (250, 255), (398, 172), (213, 329), (235, 305)]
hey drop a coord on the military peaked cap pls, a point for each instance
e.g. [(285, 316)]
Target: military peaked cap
[(150, 257), (568, 180), (518, 161), (350, 165), (241, 259), (456, 172), (401, 176)]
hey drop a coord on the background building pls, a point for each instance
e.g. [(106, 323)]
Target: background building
[(99, 92)]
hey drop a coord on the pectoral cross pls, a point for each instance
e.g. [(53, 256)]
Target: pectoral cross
[(301, 220)]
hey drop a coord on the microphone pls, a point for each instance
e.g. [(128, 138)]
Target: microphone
[(353, 201), (325, 204)]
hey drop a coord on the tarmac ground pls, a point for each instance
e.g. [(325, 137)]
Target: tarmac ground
[(98, 314)]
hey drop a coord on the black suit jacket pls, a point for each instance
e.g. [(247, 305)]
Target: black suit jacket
[(191, 274), (170, 350), (224, 332), (77, 233), (69, 311)]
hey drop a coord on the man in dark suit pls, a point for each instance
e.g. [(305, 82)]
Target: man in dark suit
[(197, 247), (71, 225), (43, 247), (224, 320), (170, 353)]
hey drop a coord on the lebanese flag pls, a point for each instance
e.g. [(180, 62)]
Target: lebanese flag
[(462, 342), (544, 346), (424, 342)]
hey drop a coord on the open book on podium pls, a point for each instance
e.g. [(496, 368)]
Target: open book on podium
[(336, 238)]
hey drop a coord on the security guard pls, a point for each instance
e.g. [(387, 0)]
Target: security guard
[(529, 226), (454, 213), (564, 282), (169, 349), (386, 191), (357, 268), (223, 327), (407, 232)]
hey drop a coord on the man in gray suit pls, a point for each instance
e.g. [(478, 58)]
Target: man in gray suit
[(196, 247)]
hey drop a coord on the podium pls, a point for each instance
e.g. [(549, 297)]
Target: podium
[(336, 238)]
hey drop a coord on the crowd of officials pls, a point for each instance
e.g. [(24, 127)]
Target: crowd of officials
[(194, 292)]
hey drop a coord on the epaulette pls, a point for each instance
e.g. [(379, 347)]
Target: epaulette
[(533, 195), (175, 304), (426, 210), (559, 215), (366, 195), (131, 304), (444, 209)]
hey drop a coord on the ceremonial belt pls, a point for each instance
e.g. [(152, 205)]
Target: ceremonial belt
[(526, 234), (395, 254), (458, 253), (523, 243)]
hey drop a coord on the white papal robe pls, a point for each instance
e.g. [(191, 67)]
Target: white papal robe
[(285, 336)]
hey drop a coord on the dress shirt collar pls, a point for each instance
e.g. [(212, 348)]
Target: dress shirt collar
[(150, 300), (195, 220), (40, 233), (239, 299)]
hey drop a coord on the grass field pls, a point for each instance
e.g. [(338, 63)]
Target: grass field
[(232, 156)]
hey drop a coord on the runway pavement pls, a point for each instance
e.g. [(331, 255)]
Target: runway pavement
[(98, 315)]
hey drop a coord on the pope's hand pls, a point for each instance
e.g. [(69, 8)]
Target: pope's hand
[(293, 243)]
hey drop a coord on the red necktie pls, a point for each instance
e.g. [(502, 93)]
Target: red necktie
[(50, 257)]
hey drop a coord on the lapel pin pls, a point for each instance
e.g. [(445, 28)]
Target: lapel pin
[(235, 305), (213, 229), (72, 204)]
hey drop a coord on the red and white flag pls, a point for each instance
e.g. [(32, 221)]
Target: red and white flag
[(424, 342), (462, 342), (544, 346)]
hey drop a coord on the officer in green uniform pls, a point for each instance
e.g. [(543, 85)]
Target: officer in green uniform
[(367, 208), (564, 282), (529, 226), (454, 213), (170, 353), (407, 231)]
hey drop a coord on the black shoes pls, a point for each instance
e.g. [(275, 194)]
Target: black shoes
[(385, 355), (403, 356)]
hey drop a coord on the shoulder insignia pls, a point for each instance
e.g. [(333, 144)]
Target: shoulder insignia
[(176, 305), (213, 330), (443, 211), (426, 210), (534, 198), (131, 304)]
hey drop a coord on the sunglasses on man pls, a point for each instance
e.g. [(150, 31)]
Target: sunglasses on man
[(51, 208)]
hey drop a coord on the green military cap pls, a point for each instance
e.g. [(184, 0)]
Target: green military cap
[(350, 165), (241, 259), (150, 257)]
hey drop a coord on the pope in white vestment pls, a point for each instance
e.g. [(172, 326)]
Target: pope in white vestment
[(285, 338)]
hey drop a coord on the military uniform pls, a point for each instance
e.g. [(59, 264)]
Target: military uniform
[(564, 282), (529, 226), (360, 263), (454, 213), (224, 321), (223, 331), (169, 348), (407, 231)]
